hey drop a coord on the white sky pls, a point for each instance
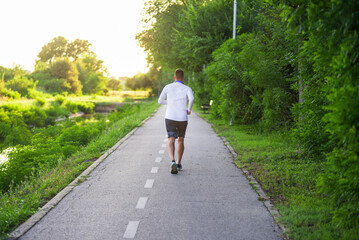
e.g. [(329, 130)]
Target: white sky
[(110, 25)]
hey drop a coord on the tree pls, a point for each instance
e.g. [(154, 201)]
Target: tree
[(92, 74), (92, 64), (139, 81), (95, 83), (162, 16), (60, 47), (62, 68), (114, 84)]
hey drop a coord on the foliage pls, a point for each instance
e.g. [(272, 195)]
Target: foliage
[(21, 85), (16, 121), (139, 81), (92, 64), (64, 69), (202, 28), (47, 146), (7, 92), (60, 47), (95, 83), (162, 16), (92, 74), (332, 46), (248, 83), (114, 84), (49, 83), (65, 66)]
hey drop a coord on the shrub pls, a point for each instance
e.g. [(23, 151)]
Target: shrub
[(21, 84), (14, 130), (86, 107), (10, 93), (60, 99), (78, 135), (54, 112), (34, 116), (40, 101), (71, 106)]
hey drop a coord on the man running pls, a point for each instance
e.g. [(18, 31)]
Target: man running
[(177, 95)]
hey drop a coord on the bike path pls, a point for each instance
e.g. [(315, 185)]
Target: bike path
[(132, 195)]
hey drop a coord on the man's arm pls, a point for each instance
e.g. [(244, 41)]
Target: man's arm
[(190, 101), (163, 95)]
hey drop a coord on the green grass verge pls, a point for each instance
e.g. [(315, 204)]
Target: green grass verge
[(289, 180), (18, 204)]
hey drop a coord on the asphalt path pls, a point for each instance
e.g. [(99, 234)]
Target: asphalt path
[(132, 194)]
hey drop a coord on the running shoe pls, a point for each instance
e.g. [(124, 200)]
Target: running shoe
[(174, 168), (179, 166)]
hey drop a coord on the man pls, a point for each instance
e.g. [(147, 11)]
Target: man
[(177, 95)]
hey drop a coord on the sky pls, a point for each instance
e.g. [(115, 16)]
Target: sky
[(109, 25)]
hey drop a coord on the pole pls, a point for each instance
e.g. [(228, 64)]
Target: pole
[(234, 19)]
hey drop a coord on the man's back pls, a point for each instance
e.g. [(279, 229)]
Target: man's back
[(178, 95)]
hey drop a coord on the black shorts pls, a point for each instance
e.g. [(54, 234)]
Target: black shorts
[(176, 128)]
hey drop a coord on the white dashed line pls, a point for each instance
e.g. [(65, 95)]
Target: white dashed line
[(141, 202), (149, 183), (158, 159), (131, 229), (161, 151), (165, 140), (154, 170), (164, 145)]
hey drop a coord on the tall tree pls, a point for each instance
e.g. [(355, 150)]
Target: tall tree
[(61, 47)]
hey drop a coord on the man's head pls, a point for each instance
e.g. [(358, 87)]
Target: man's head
[(179, 74)]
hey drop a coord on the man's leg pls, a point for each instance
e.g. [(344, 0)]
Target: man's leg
[(180, 149), (171, 148)]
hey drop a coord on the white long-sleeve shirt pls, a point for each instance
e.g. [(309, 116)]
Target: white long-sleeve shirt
[(177, 95)]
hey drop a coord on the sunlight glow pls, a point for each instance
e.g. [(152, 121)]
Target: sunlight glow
[(110, 25)]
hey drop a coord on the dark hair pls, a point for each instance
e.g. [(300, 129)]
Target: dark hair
[(179, 74)]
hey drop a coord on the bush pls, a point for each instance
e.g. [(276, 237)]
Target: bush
[(60, 99), (21, 84), (10, 94), (34, 117), (86, 107), (54, 112), (71, 106), (13, 130), (78, 135), (40, 101), (55, 85)]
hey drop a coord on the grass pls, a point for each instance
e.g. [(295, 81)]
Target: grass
[(114, 96), (18, 204), (289, 180)]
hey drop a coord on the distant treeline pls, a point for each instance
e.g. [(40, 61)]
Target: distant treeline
[(293, 65), (65, 66)]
